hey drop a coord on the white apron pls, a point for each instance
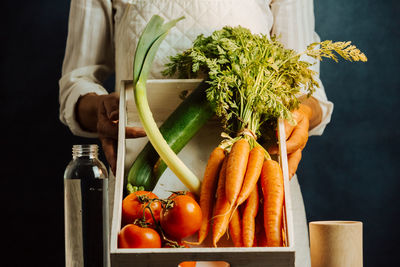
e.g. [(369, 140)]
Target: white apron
[(201, 17)]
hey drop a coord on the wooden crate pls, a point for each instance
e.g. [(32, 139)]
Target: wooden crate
[(171, 257)]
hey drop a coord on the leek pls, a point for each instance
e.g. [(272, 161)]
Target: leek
[(149, 42)]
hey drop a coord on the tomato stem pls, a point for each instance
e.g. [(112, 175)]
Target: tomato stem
[(142, 223), (166, 204)]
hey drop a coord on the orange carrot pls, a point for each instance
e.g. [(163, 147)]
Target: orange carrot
[(235, 229), (208, 188), (222, 209), (236, 169), (255, 242), (272, 187), (261, 239), (249, 215), (253, 171)]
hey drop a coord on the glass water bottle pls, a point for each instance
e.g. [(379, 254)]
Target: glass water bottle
[(86, 209)]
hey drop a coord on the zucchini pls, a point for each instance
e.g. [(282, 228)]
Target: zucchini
[(189, 117)]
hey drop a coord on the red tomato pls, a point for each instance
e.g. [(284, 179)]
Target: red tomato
[(187, 193), (133, 236), (132, 207), (183, 219)]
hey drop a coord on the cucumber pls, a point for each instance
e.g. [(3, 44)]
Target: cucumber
[(189, 117)]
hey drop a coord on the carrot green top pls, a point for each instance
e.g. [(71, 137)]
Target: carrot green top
[(253, 78)]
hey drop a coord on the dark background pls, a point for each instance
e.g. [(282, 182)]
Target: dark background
[(349, 173)]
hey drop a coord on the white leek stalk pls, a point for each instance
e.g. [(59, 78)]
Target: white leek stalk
[(149, 42)]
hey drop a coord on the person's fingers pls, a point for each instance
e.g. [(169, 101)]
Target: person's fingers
[(289, 128), (111, 105), (298, 138), (110, 151), (273, 149), (134, 132), (293, 162), (114, 115), (306, 110), (296, 135), (288, 131), (109, 129), (106, 127)]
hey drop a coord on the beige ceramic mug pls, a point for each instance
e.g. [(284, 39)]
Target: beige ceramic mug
[(336, 244)]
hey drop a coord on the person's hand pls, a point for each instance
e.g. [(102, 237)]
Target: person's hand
[(100, 113), (296, 137), (107, 127)]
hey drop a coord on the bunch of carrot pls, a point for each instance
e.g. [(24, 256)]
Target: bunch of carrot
[(253, 80), (242, 192)]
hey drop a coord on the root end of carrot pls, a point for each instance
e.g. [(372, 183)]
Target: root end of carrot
[(193, 243)]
